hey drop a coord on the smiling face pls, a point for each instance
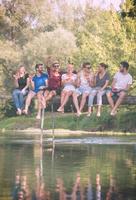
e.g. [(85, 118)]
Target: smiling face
[(101, 68), (22, 70), (56, 67), (40, 69), (122, 69), (87, 68), (70, 68)]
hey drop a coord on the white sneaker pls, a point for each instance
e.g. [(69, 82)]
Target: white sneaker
[(98, 114), (113, 113), (89, 114)]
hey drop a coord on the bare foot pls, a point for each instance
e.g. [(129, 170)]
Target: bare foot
[(25, 112), (19, 111), (113, 113), (60, 110), (78, 114), (38, 117)]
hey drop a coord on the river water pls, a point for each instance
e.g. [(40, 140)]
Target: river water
[(91, 168)]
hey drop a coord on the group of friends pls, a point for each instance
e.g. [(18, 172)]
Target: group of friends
[(85, 83)]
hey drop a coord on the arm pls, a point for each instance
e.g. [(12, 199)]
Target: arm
[(32, 83), (113, 83), (106, 85), (78, 81), (46, 82), (128, 87), (27, 84), (92, 81), (16, 80)]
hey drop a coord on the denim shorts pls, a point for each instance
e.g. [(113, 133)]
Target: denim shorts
[(115, 93), (83, 90)]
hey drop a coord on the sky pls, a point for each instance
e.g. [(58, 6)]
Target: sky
[(101, 3)]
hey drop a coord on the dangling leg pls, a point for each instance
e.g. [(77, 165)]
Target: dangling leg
[(99, 102), (29, 98), (83, 101), (90, 101), (76, 103), (15, 96), (118, 102)]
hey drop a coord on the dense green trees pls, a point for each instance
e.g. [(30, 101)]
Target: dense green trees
[(37, 31)]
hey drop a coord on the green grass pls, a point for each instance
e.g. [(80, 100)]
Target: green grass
[(125, 121)]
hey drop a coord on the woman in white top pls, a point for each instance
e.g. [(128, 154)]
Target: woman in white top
[(85, 81), (69, 82)]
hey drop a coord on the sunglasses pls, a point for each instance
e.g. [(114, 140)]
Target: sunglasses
[(56, 66), (88, 67)]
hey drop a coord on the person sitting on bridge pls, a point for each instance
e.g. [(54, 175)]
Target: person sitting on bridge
[(102, 79), (120, 86), (69, 83), (38, 82), (85, 80), (54, 82), (21, 80)]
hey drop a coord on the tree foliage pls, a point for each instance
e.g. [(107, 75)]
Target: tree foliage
[(37, 30)]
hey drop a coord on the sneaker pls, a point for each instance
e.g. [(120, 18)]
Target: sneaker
[(89, 114), (98, 114)]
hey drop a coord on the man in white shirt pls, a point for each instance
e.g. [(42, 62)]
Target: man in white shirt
[(120, 85)]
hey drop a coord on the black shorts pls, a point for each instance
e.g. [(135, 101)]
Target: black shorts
[(58, 91), (115, 93)]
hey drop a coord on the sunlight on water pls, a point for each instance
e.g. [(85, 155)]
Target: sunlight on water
[(77, 169)]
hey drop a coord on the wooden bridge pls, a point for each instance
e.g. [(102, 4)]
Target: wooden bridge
[(129, 100)]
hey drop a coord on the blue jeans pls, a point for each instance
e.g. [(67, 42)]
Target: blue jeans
[(95, 92), (18, 98)]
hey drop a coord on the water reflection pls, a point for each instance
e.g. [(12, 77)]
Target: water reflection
[(21, 189), (72, 172)]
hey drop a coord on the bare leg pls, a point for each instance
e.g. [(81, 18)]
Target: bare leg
[(83, 101), (63, 94), (118, 102), (40, 105), (75, 101), (50, 95), (110, 100), (29, 98), (90, 109), (67, 95)]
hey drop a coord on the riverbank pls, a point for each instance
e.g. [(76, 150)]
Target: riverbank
[(124, 122)]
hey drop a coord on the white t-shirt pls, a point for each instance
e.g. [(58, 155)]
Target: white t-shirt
[(65, 76), (84, 82), (122, 80)]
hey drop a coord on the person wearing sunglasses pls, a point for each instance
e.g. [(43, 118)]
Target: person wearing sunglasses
[(54, 82), (102, 79), (85, 80)]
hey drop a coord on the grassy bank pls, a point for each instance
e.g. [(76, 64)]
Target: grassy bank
[(125, 121)]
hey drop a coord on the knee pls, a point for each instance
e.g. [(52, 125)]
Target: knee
[(122, 95), (99, 95), (108, 94), (75, 95), (69, 93), (14, 93), (84, 96)]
